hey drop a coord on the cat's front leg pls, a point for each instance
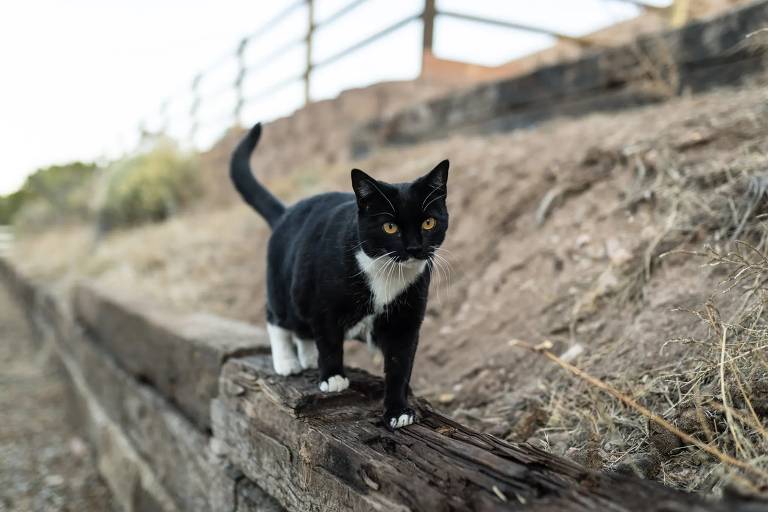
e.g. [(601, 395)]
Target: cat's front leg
[(330, 360), (399, 349)]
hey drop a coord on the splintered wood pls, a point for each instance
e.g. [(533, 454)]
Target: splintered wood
[(331, 452)]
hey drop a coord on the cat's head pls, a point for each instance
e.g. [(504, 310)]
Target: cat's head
[(405, 221)]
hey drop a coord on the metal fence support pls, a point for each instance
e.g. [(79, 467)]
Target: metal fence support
[(428, 22), (239, 79), (195, 107), (310, 33), (165, 120), (581, 41)]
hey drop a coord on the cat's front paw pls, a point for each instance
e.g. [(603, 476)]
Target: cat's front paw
[(286, 365), (334, 383), (400, 419)]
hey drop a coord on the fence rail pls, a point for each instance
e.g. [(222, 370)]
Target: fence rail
[(427, 16)]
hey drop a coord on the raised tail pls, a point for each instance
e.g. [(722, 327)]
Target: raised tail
[(246, 184)]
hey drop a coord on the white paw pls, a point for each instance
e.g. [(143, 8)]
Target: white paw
[(334, 383), (307, 353), (403, 420), (286, 365)]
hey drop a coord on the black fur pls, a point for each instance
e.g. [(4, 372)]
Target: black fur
[(251, 190), (315, 286)]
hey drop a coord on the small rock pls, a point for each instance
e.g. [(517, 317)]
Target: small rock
[(54, 480), (78, 448), (500, 430), (558, 442), (617, 253), (644, 465), (662, 439), (235, 389), (572, 453), (446, 398), (218, 447), (692, 422)]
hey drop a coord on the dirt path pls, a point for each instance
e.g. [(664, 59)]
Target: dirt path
[(44, 465)]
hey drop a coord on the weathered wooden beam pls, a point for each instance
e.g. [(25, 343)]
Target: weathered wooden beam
[(313, 451), (150, 455), (179, 354)]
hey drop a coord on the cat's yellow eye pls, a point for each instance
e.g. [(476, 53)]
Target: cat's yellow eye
[(390, 228), (428, 224)]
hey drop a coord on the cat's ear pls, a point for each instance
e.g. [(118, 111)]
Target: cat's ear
[(363, 185), (437, 178)]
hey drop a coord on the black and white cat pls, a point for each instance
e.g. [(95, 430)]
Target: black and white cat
[(343, 266)]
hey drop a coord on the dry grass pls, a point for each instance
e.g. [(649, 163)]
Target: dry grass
[(714, 399)]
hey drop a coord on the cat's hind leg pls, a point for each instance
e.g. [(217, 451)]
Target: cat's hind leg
[(307, 351), (284, 356)]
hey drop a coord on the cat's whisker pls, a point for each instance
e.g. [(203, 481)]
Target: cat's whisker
[(443, 270), (435, 188), (373, 262), (444, 264), (439, 251), (436, 198), (438, 282), (388, 278), (437, 254), (355, 247), (381, 269)]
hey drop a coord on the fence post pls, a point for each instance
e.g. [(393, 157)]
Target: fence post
[(679, 13), (143, 133), (428, 21), (195, 107), (310, 32), (164, 118), (241, 72)]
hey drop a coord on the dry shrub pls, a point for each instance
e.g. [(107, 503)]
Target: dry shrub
[(150, 186), (717, 391), (716, 394)]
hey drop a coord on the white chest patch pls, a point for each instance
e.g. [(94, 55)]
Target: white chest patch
[(387, 279)]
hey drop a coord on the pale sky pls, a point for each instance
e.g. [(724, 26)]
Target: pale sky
[(77, 77)]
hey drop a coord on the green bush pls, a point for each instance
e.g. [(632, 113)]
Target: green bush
[(50, 196), (149, 187)]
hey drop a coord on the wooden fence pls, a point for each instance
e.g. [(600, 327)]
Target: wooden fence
[(426, 18)]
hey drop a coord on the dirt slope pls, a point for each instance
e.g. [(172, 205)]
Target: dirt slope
[(556, 234)]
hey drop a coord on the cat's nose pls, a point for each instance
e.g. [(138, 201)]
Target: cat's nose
[(414, 250)]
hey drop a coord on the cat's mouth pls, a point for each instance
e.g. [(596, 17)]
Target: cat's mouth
[(410, 261)]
